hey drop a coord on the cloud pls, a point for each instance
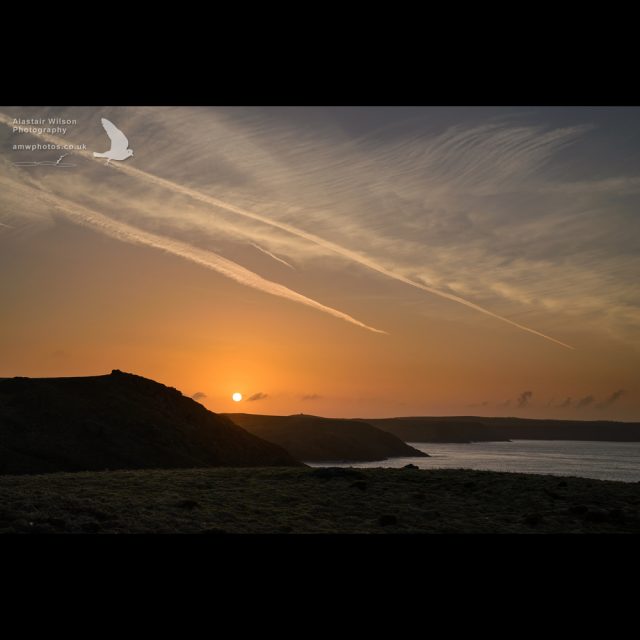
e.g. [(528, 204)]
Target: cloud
[(127, 233), (478, 212), (465, 156), (584, 402), (565, 404), (199, 395), (311, 396), (271, 255), (524, 398), (257, 396), (614, 397)]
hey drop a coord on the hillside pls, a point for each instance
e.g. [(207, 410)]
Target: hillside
[(428, 430), (482, 429), (315, 439), (323, 500), (117, 421)]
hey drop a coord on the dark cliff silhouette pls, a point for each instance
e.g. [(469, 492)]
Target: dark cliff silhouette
[(312, 438), (118, 421), (485, 429)]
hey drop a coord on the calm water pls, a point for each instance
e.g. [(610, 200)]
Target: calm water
[(600, 460)]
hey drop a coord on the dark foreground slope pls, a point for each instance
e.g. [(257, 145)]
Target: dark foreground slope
[(312, 438), (303, 500), (481, 429), (117, 421)]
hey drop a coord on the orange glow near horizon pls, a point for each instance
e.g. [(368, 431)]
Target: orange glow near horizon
[(215, 337)]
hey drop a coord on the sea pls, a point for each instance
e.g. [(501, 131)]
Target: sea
[(599, 460)]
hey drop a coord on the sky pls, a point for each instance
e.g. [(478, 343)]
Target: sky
[(338, 261)]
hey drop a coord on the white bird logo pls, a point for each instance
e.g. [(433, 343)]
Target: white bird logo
[(119, 143)]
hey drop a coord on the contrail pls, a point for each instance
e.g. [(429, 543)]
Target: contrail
[(271, 255), (209, 259), (2, 224), (327, 244)]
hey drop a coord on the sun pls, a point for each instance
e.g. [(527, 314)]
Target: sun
[(236, 397)]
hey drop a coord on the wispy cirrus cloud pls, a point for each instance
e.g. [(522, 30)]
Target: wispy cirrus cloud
[(207, 259), (470, 143), (446, 211)]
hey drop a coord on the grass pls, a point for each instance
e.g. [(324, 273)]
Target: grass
[(303, 500)]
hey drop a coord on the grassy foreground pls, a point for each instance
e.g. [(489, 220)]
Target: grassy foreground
[(304, 500)]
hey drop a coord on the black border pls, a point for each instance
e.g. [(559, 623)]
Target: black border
[(395, 77)]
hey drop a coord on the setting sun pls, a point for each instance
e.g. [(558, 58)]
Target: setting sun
[(236, 397)]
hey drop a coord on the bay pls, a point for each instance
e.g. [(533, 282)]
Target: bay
[(598, 460)]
